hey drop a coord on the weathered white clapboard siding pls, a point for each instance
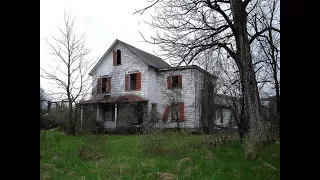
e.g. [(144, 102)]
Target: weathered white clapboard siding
[(186, 95), (130, 63), (153, 86)]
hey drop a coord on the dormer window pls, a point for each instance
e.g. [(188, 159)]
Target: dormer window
[(116, 57)]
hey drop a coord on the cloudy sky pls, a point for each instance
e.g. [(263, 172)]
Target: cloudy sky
[(102, 21)]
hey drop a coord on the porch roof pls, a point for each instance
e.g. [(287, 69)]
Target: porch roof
[(115, 99)]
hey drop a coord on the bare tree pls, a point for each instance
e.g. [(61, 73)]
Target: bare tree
[(70, 73), (266, 50), (193, 27)]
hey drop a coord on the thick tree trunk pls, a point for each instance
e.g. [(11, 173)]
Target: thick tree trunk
[(252, 103), (71, 124)]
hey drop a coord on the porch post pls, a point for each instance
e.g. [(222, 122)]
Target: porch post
[(115, 114), (81, 117), (98, 113)]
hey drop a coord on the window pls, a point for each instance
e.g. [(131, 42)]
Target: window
[(109, 113), (219, 115), (175, 112), (133, 81), (153, 107), (104, 84), (118, 56), (174, 81)]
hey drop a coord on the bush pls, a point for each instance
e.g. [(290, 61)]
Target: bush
[(53, 119)]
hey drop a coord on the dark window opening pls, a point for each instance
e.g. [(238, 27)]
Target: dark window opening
[(104, 86), (133, 81), (219, 115), (174, 81), (138, 113), (175, 112), (153, 107), (109, 113), (118, 56)]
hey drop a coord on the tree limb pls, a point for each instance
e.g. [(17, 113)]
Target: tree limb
[(262, 31)]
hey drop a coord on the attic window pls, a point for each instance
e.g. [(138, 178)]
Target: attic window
[(118, 56)]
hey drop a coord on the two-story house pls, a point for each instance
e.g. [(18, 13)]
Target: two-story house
[(130, 84)]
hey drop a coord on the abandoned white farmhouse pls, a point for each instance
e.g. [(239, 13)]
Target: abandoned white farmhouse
[(129, 83)]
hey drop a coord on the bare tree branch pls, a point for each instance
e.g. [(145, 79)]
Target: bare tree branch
[(262, 31), (141, 11)]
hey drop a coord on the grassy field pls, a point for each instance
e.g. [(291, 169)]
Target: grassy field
[(134, 157)]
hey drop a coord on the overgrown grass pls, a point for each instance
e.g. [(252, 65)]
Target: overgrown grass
[(174, 156)]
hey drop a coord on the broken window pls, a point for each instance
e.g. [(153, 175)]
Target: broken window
[(104, 82), (133, 82), (133, 79), (219, 115), (153, 107), (118, 56), (175, 112), (104, 85), (174, 81)]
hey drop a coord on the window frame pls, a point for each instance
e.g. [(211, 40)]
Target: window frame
[(107, 77), (177, 82), (104, 89), (172, 112), (118, 57), (135, 82), (219, 115)]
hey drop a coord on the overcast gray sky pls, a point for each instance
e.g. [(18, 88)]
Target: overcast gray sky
[(102, 21)]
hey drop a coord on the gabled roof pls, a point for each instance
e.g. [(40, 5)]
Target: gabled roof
[(148, 58)]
